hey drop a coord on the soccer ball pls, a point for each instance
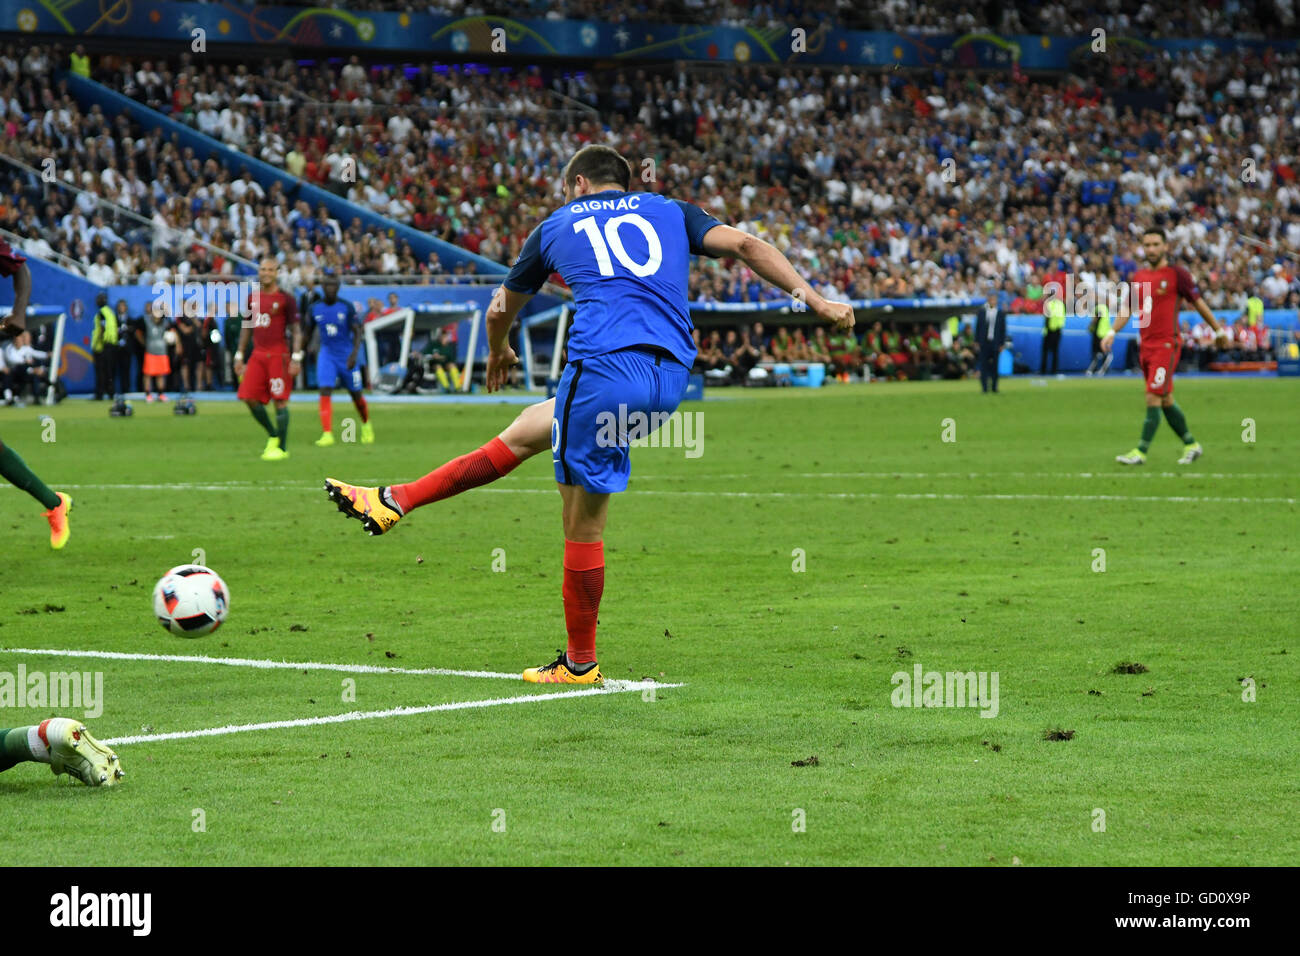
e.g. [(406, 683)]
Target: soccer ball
[(191, 600)]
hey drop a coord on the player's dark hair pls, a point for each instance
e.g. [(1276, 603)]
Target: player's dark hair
[(1156, 231), (598, 164)]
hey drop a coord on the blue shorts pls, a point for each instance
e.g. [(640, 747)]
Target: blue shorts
[(332, 372), (601, 403)]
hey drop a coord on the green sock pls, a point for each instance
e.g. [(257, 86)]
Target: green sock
[(17, 473), (282, 420), (259, 413), (1149, 428), (1178, 422), (13, 747)]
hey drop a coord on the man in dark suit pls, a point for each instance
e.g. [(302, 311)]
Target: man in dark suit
[(990, 336)]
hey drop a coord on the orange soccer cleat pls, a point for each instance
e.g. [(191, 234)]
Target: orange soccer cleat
[(58, 518)]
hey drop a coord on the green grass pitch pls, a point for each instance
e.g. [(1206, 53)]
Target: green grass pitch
[(979, 554)]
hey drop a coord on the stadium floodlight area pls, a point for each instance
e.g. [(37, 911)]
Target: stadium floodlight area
[(425, 318)]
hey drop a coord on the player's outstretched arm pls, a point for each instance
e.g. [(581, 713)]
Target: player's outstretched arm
[(500, 316), (767, 261)]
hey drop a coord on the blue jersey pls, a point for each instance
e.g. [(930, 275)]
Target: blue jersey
[(625, 256), (336, 323)]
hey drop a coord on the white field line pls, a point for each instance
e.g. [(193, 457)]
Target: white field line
[(611, 687), (927, 496), (258, 663)]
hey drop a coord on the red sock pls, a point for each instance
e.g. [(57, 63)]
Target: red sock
[(584, 582), (479, 467), (362, 407), (326, 412)]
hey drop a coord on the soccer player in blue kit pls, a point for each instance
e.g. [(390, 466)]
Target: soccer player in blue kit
[(338, 361), (625, 255)]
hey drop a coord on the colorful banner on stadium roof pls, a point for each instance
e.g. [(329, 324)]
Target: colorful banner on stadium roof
[(381, 31)]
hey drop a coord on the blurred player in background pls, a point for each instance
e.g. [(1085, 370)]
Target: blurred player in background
[(626, 256), (269, 372), (12, 467), (1160, 286), (337, 362)]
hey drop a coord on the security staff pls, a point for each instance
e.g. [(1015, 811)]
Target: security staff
[(1099, 328), (103, 345), (1053, 323)]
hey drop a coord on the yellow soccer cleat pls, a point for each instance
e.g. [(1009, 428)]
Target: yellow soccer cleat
[(326, 439), (367, 433), (273, 451), (58, 518), (557, 672), (74, 752), (367, 505)]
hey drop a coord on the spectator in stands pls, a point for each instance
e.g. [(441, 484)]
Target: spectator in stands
[(745, 357), (845, 354), (782, 345), (874, 353)]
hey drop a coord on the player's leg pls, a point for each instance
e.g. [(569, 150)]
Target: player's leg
[(255, 392), (584, 582), (282, 423), (598, 405), (326, 412), (57, 504), (380, 508), (353, 379), (1155, 375), (66, 746), (326, 378), (1177, 420), (590, 463)]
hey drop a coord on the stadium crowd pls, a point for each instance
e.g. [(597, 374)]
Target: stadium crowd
[(877, 185), (1239, 18), (889, 185)]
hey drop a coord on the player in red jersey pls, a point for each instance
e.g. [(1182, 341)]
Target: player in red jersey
[(269, 372), (12, 468), (1159, 287)]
